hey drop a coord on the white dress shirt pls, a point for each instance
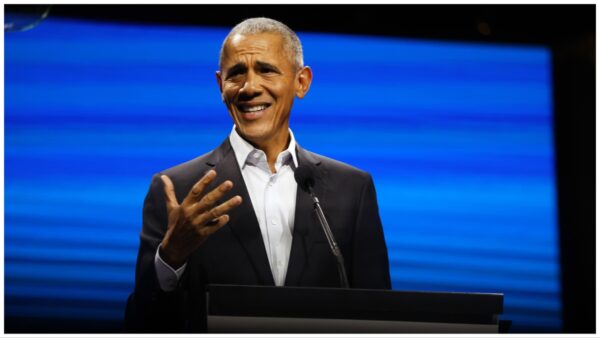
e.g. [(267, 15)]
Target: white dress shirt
[(273, 197)]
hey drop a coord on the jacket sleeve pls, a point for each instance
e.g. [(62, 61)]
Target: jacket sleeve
[(370, 266)]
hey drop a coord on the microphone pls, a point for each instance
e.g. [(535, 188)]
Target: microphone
[(306, 180)]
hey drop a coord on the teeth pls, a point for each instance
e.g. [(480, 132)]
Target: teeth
[(255, 109)]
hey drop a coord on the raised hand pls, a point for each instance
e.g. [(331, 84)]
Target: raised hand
[(195, 219)]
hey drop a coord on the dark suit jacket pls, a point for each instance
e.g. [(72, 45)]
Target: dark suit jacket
[(236, 254)]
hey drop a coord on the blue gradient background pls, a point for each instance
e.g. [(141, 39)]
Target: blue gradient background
[(458, 137)]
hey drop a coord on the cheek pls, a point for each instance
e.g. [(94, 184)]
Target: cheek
[(284, 91), (229, 92)]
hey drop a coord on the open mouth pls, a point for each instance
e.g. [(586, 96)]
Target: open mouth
[(252, 111)]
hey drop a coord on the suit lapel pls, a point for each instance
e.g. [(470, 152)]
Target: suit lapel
[(305, 220), (243, 221)]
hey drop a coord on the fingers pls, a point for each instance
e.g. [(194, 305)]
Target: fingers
[(197, 209), (218, 224), (169, 193), (195, 193), (218, 211), (212, 197)]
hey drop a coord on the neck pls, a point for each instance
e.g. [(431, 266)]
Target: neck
[(273, 146)]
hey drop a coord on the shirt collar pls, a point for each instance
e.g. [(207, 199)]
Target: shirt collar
[(242, 148)]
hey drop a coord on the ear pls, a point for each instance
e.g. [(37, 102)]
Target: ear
[(303, 81), (220, 84)]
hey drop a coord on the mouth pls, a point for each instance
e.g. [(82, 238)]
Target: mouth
[(252, 111)]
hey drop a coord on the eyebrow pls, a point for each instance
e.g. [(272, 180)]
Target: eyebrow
[(266, 65), (241, 67), (235, 69)]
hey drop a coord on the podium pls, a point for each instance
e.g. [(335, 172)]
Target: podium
[(267, 309)]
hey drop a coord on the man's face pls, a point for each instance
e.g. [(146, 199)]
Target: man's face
[(258, 82)]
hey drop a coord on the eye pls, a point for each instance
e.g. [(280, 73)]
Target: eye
[(235, 71), (267, 70), (234, 74)]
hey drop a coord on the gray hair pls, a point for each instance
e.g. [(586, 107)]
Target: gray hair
[(291, 42)]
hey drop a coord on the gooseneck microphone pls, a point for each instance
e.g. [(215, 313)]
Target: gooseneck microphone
[(306, 180)]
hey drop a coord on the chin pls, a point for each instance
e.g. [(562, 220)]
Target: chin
[(253, 134)]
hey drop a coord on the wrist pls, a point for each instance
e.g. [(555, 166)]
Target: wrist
[(168, 257)]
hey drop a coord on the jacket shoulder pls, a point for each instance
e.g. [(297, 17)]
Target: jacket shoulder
[(340, 169), (185, 168), (184, 175), (195, 168)]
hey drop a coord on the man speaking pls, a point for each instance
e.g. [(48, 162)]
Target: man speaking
[(237, 215)]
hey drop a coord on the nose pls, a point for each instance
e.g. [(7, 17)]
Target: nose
[(251, 87)]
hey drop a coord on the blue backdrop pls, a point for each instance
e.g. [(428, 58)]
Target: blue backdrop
[(458, 137)]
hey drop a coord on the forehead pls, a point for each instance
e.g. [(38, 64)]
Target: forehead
[(265, 46)]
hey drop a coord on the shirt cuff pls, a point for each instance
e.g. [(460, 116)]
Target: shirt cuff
[(168, 278)]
